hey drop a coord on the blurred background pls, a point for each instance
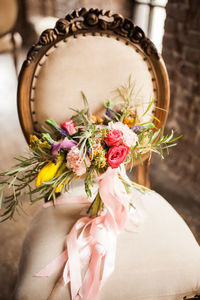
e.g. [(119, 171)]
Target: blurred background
[(174, 27)]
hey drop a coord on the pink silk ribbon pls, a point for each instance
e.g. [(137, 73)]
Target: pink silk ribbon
[(91, 243)]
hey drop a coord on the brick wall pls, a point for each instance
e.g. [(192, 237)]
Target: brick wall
[(181, 52)]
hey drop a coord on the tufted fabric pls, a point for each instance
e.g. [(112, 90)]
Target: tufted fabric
[(96, 65), (161, 261)]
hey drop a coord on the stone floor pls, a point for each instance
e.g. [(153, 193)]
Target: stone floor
[(13, 143)]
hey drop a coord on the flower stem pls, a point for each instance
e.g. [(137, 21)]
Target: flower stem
[(96, 206)]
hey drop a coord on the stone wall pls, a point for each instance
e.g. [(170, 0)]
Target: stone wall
[(181, 52)]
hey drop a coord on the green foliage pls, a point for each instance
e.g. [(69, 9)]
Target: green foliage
[(96, 207), (89, 181), (89, 136), (18, 180)]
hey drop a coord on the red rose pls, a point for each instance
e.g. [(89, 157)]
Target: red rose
[(114, 138), (116, 155)]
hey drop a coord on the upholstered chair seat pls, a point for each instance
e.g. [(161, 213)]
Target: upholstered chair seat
[(160, 261)]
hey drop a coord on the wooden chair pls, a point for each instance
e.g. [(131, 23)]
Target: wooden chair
[(96, 56), (96, 51), (9, 11)]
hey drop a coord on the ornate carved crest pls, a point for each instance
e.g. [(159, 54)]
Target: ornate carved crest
[(93, 20)]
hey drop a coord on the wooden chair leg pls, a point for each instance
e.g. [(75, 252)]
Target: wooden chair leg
[(14, 51), (141, 173)]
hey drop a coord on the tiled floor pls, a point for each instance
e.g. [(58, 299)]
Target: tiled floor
[(12, 143)]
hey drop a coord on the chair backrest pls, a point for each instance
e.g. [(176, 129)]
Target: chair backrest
[(93, 51), (8, 15)]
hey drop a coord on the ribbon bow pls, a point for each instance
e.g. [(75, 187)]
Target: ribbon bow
[(91, 242)]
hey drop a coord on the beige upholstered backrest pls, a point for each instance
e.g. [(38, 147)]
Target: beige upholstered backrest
[(97, 65), (8, 15), (95, 52)]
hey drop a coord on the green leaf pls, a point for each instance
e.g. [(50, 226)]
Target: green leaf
[(48, 138), (12, 172), (175, 139), (155, 135), (131, 204), (148, 107), (1, 198), (97, 206), (86, 105)]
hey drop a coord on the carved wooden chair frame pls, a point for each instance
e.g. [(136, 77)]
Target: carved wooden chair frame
[(103, 23)]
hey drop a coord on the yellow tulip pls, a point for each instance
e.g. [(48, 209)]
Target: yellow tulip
[(60, 171), (48, 171), (59, 188)]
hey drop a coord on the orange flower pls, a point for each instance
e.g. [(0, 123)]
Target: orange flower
[(93, 119), (95, 152), (129, 121), (99, 120)]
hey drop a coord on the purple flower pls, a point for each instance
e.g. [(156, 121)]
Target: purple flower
[(65, 144), (108, 112), (136, 128)]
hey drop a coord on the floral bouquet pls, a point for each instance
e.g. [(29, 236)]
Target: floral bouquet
[(96, 148), (86, 145)]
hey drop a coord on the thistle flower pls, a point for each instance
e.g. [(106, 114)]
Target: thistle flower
[(137, 128), (108, 112)]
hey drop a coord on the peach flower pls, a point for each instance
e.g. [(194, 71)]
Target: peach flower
[(75, 164)]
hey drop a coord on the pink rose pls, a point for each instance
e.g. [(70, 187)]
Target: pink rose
[(116, 155), (69, 127), (114, 138), (130, 138)]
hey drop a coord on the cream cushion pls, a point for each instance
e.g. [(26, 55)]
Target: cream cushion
[(96, 65), (161, 261)]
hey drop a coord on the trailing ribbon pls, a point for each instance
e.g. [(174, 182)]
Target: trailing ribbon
[(91, 242)]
